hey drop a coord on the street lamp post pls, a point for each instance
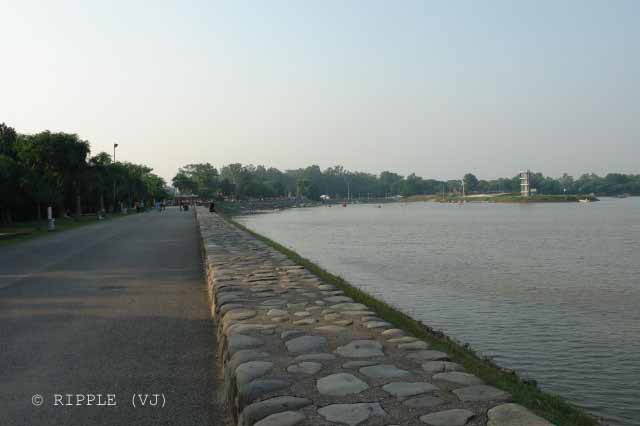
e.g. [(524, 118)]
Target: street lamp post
[(115, 199)]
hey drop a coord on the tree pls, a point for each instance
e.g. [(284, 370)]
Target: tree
[(155, 187), (470, 182), (618, 183), (99, 177), (54, 169), (312, 192), (184, 183), (9, 173), (590, 183), (239, 175), (412, 185), (301, 187), (227, 188), (201, 179), (484, 186), (566, 183), (391, 183), (54, 163), (34, 179)]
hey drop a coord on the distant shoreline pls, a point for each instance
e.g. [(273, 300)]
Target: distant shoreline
[(502, 198), (261, 206)]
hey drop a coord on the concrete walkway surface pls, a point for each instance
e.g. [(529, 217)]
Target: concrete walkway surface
[(114, 308)]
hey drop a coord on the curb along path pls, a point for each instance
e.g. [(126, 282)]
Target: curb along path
[(296, 351)]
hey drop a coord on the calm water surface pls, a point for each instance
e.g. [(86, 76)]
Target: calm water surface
[(552, 290)]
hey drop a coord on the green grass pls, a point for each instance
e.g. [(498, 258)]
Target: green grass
[(419, 198), (34, 229), (551, 407), (227, 209)]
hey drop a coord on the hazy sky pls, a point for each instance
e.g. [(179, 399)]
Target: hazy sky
[(435, 87)]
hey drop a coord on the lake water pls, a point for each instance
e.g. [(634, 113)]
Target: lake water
[(552, 290)]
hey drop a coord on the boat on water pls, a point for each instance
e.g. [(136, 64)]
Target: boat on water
[(588, 198)]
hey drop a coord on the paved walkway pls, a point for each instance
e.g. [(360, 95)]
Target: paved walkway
[(114, 308), (296, 351)]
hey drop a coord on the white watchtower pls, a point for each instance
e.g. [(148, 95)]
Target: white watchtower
[(525, 178)]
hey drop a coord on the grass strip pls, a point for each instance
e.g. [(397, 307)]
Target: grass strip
[(24, 231), (525, 392)]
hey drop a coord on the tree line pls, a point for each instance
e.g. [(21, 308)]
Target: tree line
[(248, 181), (56, 169)]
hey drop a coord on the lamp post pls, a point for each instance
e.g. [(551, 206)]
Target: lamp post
[(115, 200), (348, 188)]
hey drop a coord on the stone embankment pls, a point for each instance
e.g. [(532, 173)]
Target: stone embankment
[(296, 351)]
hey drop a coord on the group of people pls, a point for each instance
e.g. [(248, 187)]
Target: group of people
[(183, 206)]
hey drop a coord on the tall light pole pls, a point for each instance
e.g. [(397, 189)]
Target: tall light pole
[(348, 188), (115, 200)]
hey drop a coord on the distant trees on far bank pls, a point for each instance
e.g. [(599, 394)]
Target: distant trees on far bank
[(55, 169), (249, 181)]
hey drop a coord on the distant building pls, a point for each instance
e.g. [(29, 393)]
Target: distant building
[(525, 178)]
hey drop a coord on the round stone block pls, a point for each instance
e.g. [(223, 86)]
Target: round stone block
[(413, 346), (340, 384), (433, 367), (361, 349), (306, 344), (514, 414), (480, 393), (458, 378), (384, 371), (351, 414), (305, 367), (455, 417), (286, 418), (259, 410), (428, 355), (407, 389)]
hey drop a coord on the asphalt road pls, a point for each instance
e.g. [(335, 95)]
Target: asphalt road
[(114, 308)]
